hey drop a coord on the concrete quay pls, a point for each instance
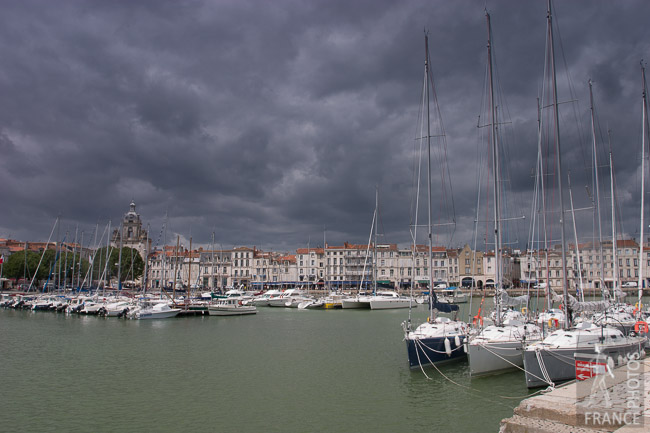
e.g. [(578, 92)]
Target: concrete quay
[(619, 403)]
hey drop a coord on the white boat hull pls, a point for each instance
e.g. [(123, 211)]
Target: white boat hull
[(494, 357), (386, 304), (237, 311), (354, 303), (142, 315)]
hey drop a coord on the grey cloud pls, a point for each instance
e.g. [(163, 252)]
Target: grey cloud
[(270, 121)]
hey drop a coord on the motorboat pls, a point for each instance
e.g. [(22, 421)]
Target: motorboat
[(157, 311), (287, 299), (117, 309), (263, 299), (389, 299), (230, 307)]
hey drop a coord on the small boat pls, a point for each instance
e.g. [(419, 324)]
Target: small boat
[(158, 311), (287, 299), (263, 299), (230, 307), (389, 299), (117, 309), (453, 295)]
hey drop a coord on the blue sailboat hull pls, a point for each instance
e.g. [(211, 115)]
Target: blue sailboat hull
[(427, 351)]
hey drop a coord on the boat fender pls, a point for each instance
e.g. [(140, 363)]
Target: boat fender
[(641, 327), (447, 347), (465, 346), (457, 341)]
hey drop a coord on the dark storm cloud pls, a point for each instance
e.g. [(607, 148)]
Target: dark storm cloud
[(270, 122)]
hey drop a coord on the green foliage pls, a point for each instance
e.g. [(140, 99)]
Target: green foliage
[(14, 267), (132, 263)]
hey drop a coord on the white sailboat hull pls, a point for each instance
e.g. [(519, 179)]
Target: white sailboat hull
[(385, 304), (173, 312), (214, 310), (494, 357), (354, 303)]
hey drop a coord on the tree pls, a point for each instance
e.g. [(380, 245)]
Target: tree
[(15, 265), (132, 263)]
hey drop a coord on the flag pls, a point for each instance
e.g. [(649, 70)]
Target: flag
[(2, 259)]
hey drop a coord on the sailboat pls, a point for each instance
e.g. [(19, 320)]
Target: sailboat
[(499, 347), (378, 300), (553, 359), (439, 339)]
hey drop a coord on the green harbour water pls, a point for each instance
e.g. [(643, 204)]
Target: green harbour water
[(281, 370)]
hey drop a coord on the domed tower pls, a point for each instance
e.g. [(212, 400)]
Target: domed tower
[(132, 234)]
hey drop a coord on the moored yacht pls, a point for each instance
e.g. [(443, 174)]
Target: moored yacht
[(552, 360), (230, 307), (356, 301), (158, 311), (500, 348), (436, 341), (389, 299)]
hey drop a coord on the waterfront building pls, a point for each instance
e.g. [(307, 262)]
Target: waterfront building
[(452, 267), (347, 265), (471, 267), (510, 269), (216, 269), (311, 267)]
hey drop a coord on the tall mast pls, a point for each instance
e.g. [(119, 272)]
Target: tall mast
[(644, 120), (74, 255), (496, 177), (575, 234), (164, 256), (213, 267), (146, 260), (178, 241), (374, 246), (119, 260), (540, 169), (614, 246), (106, 273), (558, 160), (597, 195), (189, 278), (429, 233)]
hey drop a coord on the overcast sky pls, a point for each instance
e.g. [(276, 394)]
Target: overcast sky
[(269, 122)]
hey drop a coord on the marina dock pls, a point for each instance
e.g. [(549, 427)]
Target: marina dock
[(606, 403)]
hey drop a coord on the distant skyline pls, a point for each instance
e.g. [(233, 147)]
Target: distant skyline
[(271, 123)]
